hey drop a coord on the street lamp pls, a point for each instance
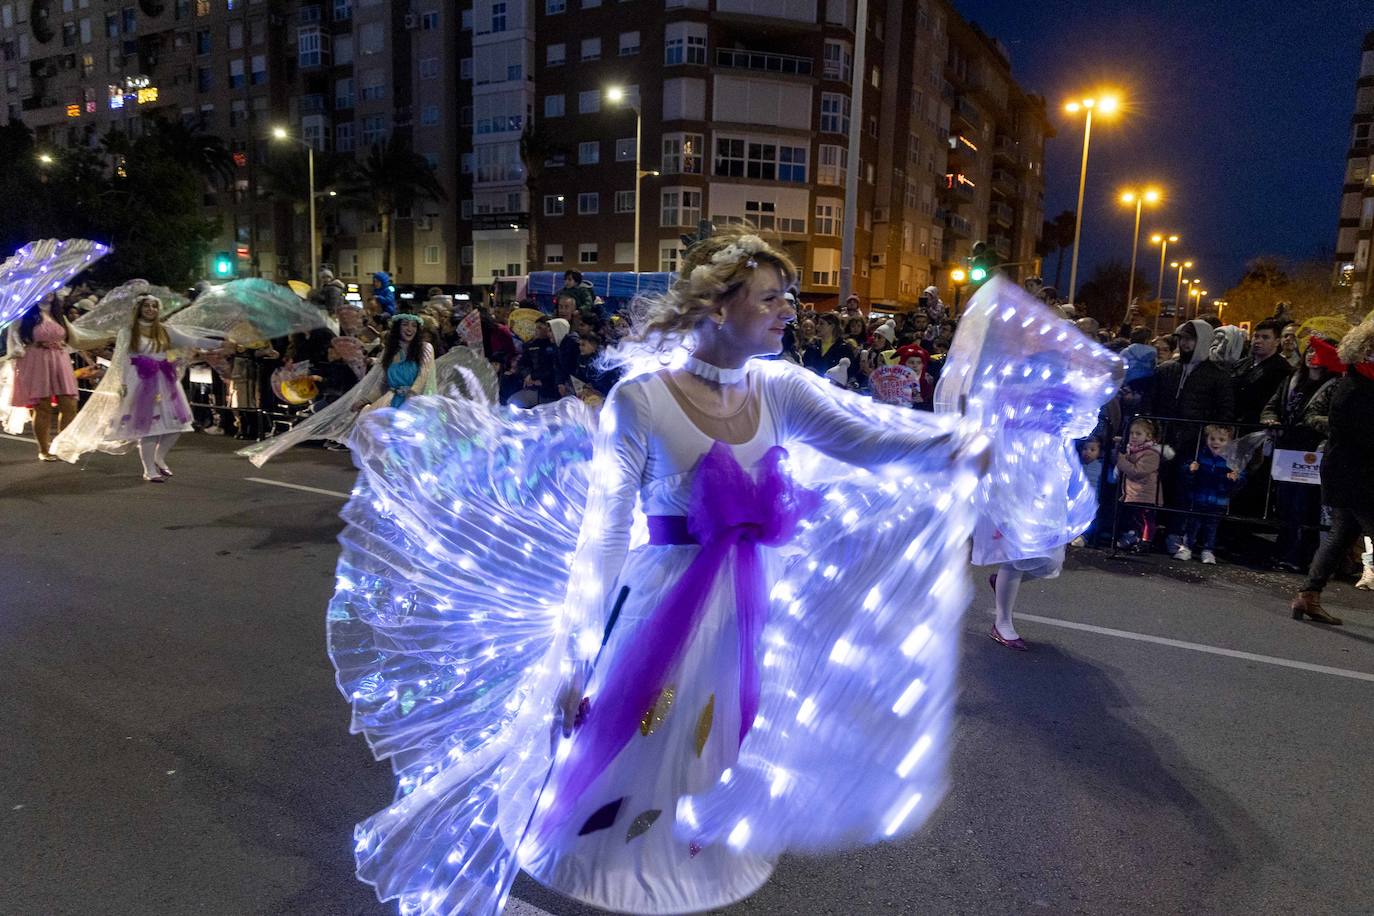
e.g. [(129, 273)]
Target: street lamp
[(1178, 288), (280, 133), (1139, 197), (1107, 104), (46, 159), (619, 96), (1163, 241)]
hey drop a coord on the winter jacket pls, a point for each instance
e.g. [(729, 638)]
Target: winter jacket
[(1348, 464), (385, 294), (821, 362), (1303, 420), (1197, 390), (1140, 472), (539, 361), (331, 296), (1256, 383), (1209, 488)]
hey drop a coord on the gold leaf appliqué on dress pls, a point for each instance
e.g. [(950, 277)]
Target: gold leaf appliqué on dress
[(655, 714), (708, 714)]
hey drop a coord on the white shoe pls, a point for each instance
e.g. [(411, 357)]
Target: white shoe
[(1183, 553), (213, 431), (1209, 558), (1367, 580), (1078, 542)]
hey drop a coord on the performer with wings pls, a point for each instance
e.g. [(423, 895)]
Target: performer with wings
[(643, 659)]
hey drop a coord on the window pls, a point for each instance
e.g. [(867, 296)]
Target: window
[(832, 164), (682, 154), (684, 43), (259, 69), (465, 210), (591, 48), (343, 138), (590, 4), (467, 20), (554, 7), (431, 254), (825, 267), (312, 46), (309, 13), (430, 21), (624, 201), (839, 61), (834, 113), (669, 256), (237, 79), (498, 16), (429, 68), (465, 68), (589, 102), (625, 149), (553, 254), (371, 39), (553, 106), (467, 255), (130, 20), (588, 203), (205, 80), (553, 205), (374, 129), (469, 163), (589, 153), (556, 55), (762, 161), (625, 253), (729, 158), (587, 254), (203, 42), (235, 37), (792, 163), (629, 43), (429, 115), (374, 85), (680, 207), (829, 216), (343, 10)]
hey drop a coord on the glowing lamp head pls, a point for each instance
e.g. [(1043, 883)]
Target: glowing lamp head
[(1108, 104), (1073, 108), (1152, 196), (1188, 264), (1156, 239), (958, 275), (1128, 197), (615, 94), (1172, 239), (45, 158)]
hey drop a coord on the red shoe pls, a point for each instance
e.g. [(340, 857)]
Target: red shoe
[(1018, 643)]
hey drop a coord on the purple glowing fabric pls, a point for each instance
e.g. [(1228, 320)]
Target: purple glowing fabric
[(728, 511), (40, 269)]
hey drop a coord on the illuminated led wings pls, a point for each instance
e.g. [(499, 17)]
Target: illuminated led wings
[(115, 310), (40, 269), (250, 311)]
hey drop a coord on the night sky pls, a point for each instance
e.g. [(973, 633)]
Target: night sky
[(1241, 111)]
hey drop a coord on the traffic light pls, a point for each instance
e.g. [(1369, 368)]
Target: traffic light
[(983, 263), (222, 265)]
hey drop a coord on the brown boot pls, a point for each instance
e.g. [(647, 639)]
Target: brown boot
[(1310, 603)]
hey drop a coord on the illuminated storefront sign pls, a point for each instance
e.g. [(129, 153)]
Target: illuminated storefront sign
[(135, 90)]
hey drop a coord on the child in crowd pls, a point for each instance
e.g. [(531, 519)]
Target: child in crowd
[(1138, 464), (1090, 455), (1209, 483)]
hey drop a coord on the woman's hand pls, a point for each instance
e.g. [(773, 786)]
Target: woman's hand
[(572, 704)]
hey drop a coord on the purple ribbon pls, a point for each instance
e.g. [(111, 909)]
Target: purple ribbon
[(145, 401), (728, 510)]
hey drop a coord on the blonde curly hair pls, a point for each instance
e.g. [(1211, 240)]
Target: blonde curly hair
[(712, 269), (1358, 345)]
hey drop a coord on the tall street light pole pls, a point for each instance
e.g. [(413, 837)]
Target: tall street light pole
[(1107, 104), (620, 96), (1140, 198), (280, 133), (1178, 288), (1163, 241), (851, 181)]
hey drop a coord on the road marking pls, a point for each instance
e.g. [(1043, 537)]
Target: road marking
[(18, 438), (1199, 647), (298, 486)]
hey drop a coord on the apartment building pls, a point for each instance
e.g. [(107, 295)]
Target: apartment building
[(339, 74), (1355, 235), (743, 109)]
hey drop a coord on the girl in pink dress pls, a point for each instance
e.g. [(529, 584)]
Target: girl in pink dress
[(43, 370)]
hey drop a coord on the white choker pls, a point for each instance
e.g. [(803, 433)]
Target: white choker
[(715, 373)]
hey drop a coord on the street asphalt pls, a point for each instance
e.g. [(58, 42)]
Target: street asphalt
[(172, 742)]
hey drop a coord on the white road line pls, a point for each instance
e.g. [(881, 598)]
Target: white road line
[(297, 486), (18, 438), (1198, 647)]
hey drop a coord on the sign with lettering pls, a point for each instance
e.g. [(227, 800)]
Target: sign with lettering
[(1297, 467), (894, 384)]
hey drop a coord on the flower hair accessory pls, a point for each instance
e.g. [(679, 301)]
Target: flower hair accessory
[(407, 316)]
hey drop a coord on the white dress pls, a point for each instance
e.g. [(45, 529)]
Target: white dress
[(160, 388)]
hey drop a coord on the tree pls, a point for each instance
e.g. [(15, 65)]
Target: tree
[(205, 154), (286, 177), (1056, 236), (537, 147), (392, 176), (1306, 285), (1101, 295)]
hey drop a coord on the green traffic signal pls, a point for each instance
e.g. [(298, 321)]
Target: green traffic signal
[(978, 275), (223, 265)]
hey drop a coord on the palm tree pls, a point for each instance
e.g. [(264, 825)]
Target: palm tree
[(536, 149), (286, 177), (1057, 236), (392, 177)]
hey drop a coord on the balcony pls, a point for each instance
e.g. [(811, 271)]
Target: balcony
[(1002, 245), (1005, 183), (962, 149), (1002, 215), (781, 64), (958, 225), (1007, 150), (963, 112), (958, 188)]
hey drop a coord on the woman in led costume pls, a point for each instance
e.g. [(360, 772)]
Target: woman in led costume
[(140, 399), (765, 682)]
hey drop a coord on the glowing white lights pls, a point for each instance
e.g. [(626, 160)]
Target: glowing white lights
[(913, 756), (900, 813), (917, 641), (740, 835), (909, 698), (807, 714)]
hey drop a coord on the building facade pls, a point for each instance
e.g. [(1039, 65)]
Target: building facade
[(743, 111), (1355, 235)]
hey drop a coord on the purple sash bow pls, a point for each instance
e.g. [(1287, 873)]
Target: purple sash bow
[(146, 399), (728, 510)]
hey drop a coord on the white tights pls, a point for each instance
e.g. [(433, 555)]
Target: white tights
[(152, 451), (1008, 584)]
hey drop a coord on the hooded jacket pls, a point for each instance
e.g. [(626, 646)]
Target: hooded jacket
[(386, 294), (1196, 389), (1348, 465)]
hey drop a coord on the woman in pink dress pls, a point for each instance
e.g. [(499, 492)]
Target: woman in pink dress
[(43, 370)]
